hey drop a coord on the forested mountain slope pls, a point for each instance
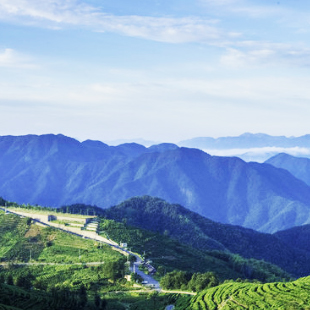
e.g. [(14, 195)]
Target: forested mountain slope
[(56, 170), (191, 228), (298, 237)]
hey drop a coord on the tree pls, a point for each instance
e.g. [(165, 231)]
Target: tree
[(114, 269), (175, 280), (97, 301), (136, 278), (82, 295), (24, 282), (154, 296), (201, 281), (161, 270), (132, 259), (9, 280), (2, 202)]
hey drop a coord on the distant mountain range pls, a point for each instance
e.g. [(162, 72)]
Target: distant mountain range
[(297, 166), (247, 140), (252, 147), (288, 249), (55, 170), (248, 146)]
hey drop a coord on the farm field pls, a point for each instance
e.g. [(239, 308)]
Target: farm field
[(29, 251), (232, 295)]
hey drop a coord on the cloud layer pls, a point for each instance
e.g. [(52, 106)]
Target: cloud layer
[(227, 67), (59, 13), (9, 58)]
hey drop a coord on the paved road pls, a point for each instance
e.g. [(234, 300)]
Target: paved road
[(145, 277), (148, 278)]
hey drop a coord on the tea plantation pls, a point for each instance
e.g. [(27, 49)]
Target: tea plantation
[(279, 295)]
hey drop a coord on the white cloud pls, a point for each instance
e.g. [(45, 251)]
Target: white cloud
[(11, 58), (238, 58), (59, 13), (260, 154), (164, 29), (257, 53)]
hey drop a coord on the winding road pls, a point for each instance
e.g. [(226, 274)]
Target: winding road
[(151, 282)]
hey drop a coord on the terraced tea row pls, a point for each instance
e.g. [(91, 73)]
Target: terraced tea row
[(234, 295)]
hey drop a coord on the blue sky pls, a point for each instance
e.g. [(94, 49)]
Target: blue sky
[(158, 70)]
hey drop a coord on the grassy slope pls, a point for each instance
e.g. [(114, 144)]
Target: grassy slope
[(20, 242), (171, 254), (12, 297), (278, 295)]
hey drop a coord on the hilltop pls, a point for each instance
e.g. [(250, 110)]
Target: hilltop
[(57, 170)]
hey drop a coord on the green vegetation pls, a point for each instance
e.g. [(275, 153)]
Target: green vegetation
[(15, 298), (181, 280), (42, 266), (232, 295), (168, 254), (49, 260), (190, 228), (21, 242)]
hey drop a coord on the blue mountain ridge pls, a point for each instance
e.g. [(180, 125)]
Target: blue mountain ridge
[(55, 170), (247, 140), (297, 166)]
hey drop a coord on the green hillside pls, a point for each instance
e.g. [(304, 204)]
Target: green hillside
[(21, 241), (48, 260), (15, 298), (201, 233), (45, 268), (285, 296), (168, 254), (42, 265)]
